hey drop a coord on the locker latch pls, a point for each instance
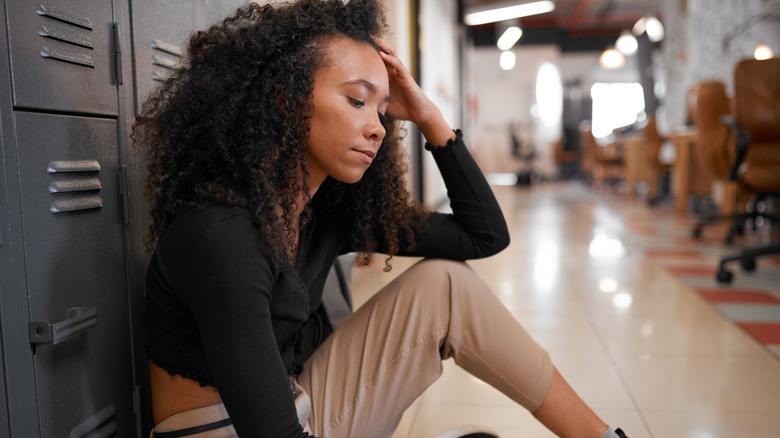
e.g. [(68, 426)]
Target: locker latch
[(79, 320)]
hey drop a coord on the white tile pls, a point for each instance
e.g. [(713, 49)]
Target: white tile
[(670, 424), (702, 383)]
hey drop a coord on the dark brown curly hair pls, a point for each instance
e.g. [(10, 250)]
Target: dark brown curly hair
[(231, 127)]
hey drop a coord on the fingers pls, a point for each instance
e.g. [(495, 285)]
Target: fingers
[(385, 47)]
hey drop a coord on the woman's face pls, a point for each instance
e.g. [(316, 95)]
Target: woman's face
[(351, 93)]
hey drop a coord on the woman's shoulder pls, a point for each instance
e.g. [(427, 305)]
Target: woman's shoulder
[(212, 227), (210, 217)]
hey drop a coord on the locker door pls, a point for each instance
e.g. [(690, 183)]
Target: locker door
[(160, 32), (77, 289), (212, 11), (62, 56)]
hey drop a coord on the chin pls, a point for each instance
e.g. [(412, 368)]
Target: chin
[(349, 178)]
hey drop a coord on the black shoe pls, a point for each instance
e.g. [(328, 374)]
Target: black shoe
[(620, 433)]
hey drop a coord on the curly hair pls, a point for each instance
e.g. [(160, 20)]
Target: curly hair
[(231, 128)]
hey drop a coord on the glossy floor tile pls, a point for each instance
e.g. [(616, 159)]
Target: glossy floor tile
[(627, 305)]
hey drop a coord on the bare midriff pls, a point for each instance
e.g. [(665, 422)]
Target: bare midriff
[(174, 394)]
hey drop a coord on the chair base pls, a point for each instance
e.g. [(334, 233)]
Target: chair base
[(747, 259)]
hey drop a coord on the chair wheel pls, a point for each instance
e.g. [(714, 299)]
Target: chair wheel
[(749, 264), (724, 276)]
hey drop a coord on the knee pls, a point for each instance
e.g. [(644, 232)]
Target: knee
[(439, 271), (440, 278)]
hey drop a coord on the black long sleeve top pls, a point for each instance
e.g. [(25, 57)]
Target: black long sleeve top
[(221, 310)]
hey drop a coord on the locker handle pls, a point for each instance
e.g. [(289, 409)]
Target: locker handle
[(79, 320), (97, 423)]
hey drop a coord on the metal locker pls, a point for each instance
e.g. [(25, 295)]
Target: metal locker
[(62, 55), (160, 33), (72, 225), (212, 11)]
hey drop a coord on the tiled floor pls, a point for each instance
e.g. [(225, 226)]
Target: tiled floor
[(627, 305)]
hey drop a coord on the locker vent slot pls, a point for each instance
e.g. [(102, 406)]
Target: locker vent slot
[(164, 62), (65, 16), (78, 176), (73, 166), (66, 35), (85, 203), (76, 185), (68, 56), (74, 37), (100, 425), (166, 47), (168, 56)]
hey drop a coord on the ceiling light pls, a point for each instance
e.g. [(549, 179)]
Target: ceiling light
[(506, 11), (627, 43), (763, 52), (651, 25), (509, 37), (507, 60), (611, 59)]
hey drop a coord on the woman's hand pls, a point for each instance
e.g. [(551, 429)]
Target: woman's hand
[(408, 102)]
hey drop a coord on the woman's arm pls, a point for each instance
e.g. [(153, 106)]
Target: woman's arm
[(477, 227)]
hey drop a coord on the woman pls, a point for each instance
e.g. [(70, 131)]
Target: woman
[(272, 152)]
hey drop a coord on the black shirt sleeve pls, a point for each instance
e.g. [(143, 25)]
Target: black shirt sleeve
[(476, 228), (228, 279)]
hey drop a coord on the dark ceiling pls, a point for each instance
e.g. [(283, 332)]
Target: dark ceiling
[(574, 25)]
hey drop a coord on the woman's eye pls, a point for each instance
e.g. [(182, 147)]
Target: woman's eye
[(356, 103)]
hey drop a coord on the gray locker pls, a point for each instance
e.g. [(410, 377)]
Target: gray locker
[(62, 55), (76, 284), (71, 334), (160, 32)]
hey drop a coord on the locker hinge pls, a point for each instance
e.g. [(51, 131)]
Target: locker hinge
[(137, 400), (117, 34), (124, 194)]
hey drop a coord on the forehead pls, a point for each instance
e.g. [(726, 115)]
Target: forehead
[(347, 59)]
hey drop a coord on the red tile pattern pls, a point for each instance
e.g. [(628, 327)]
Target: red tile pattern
[(744, 296), (764, 332)]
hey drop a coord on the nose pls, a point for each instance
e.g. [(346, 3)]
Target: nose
[(374, 129)]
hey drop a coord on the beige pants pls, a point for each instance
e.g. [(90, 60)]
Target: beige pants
[(367, 373)]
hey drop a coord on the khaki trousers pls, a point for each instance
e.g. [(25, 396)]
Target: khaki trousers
[(371, 369), (368, 372)]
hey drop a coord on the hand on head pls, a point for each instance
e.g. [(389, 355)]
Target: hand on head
[(409, 102)]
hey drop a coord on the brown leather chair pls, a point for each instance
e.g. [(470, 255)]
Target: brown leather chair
[(603, 164), (751, 155), (716, 151), (657, 169)]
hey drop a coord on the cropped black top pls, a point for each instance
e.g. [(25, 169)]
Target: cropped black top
[(222, 311)]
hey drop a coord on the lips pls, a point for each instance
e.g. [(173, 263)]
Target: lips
[(366, 154)]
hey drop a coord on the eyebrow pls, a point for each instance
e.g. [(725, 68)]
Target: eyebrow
[(370, 86)]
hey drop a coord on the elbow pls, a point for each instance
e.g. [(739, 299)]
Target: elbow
[(497, 242), (501, 240)]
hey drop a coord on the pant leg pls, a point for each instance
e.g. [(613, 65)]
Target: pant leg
[(370, 370)]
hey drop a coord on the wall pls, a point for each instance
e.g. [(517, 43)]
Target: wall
[(693, 50), (500, 97), (440, 79)]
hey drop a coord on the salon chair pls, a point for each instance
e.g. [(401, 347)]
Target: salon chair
[(604, 163), (746, 149), (723, 142), (658, 185)]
